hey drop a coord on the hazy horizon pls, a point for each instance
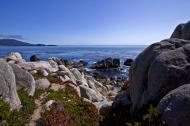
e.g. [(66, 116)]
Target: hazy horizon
[(84, 22)]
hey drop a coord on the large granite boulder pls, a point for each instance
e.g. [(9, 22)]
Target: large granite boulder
[(175, 107), (8, 89), (159, 69), (182, 31), (24, 79)]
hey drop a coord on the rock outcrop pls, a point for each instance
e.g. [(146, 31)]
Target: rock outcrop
[(39, 65), (159, 69), (24, 79), (174, 107), (182, 31), (8, 86)]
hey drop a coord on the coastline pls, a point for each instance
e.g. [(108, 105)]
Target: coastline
[(56, 74)]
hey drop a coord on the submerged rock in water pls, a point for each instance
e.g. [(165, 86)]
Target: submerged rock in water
[(106, 64), (34, 58), (128, 62)]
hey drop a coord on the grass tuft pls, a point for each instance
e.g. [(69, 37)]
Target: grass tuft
[(21, 117)]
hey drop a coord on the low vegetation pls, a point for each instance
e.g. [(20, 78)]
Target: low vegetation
[(21, 117), (150, 118), (82, 113)]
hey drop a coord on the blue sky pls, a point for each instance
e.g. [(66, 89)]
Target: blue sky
[(92, 22)]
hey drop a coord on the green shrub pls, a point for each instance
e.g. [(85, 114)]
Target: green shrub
[(151, 118), (81, 112)]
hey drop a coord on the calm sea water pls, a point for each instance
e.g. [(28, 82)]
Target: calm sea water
[(87, 53)]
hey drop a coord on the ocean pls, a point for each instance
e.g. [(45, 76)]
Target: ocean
[(88, 53)]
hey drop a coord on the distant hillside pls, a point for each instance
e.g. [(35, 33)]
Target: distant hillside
[(14, 42)]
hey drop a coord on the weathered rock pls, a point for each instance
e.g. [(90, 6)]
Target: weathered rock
[(82, 82), (54, 65), (61, 61), (43, 72), (24, 79), (90, 94), (38, 65), (2, 59), (128, 62), (14, 56), (67, 72), (42, 83), (97, 86), (106, 64), (33, 72), (103, 107), (34, 58), (8, 86), (175, 107), (77, 74), (182, 31), (158, 69), (82, 63)]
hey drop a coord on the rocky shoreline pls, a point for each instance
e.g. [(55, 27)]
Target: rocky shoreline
[(18, 74), (58, 92)]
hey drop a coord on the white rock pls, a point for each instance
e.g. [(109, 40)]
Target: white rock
[(53, 64), (67, 72), (48, 104), (8, 86), (24, 79), (77, 74), (33, 72), (38, 65), (15, 56), (90, 94), (43, 72), (42, 83)]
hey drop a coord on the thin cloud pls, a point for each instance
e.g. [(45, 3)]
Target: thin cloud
[(11, 36)]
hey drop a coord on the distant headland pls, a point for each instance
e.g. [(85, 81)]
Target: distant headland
[(14, 42)]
